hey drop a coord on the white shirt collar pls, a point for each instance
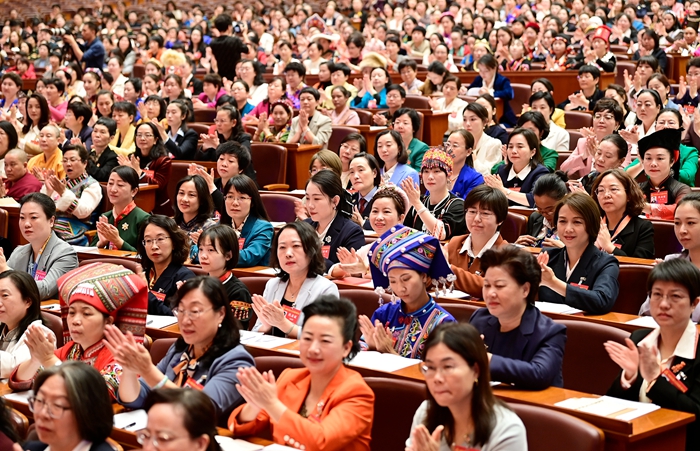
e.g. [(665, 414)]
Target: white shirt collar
[(686, 345), (521, 175), (467, 246)]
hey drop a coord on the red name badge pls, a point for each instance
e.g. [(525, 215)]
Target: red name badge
[(660, 197), (241, 242), (291, 313), (673, 380), (453, 114), (326, 251), (581, 286), (40, 275), (149, 173), (515, 189), (160, 296), (191, 383)]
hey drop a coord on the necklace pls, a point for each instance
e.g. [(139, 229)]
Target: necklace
[(291, 295)]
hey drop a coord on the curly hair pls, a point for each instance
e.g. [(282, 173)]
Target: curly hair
[(179, 239), (635, 196)]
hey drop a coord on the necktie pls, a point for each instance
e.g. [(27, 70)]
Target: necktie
[(363, 204)]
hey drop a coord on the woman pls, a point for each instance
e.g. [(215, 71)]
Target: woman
[(388, 210), (491, 82), (659, 365), (124, 142), (46, 257), (541, 228), (404, 262), (407, 122), (516, 178), (324, 76), (212, 91), (511, 279), (251, 72), (104, 102), (119, 227), (450, 103), (557, 139), (63, 417), (276, 92), (77, 197), (8, 141), (114, 67), (151, 162), (127, 54), (618, 94), (623, 33), (372, 92), (660, 158), (544, 85), (172, 88), (278, 131), (180, 141), (464, 178), (660, 84), (393, 158), (485, 209), (365, 179), (649, 106), (460, 400), (342, 114), (54, 92), (298, 258), (218, 248), (440, 213), (487, 150), (206, 357), (493, 128), (622, 231), (314, 59), (250, 221), (163, 248), (607, 118), (350, 146), (21, 309), (610, 153), (536, 121), (434, 79), (91, 84), (194, 209), (579, 274), (328, 215), (11, 87), (91, 298), (228, 128), (324, 405), (37, 117)]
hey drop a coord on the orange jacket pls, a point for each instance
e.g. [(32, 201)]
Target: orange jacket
[(346, 413), (469, 277)]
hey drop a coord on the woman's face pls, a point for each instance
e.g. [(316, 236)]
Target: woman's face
[(604, 123), (611, 195), (600, 47), (324, 74), (41, 88), (450, 90), (670, 304), (571, 228), (348, 150), (456, 144), (90, 85), (659, 87), (606, 157), (34, 110), (238, 92), (435, 78), (145, 139), (667, 120), (237, 205), (56, 432), (224, 124), (274, 90), (86, 324), (320, 206), (361, 175), (9, 88), (290, 253), (104, 105), (478, 52), (13, 308), (542, 106), (505, 298), (379, 79), (558, 47), (657, 163), (668, 21), (174, 116), (4, 144), (473, 124), (187, 199), (612, 94), (434, 41), (623, 23), (434, 179), (119, 191), (171, 89), (149, 85), (480, 221), (33, 223), (227, 166), (199, 331), (213, 261), (519, 151), (280, 116), (247, 73), (404, 126), (313, 53), (546, 206), (388, 150), (353, 50), (339, 100), (384, 215), (686, 224), (72, 164), (159, 244), (408, 285), (165, 425), (322, 347), (114, 68)]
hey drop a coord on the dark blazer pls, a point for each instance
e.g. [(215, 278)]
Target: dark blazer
[(666, 395), (636, 239), (342, 233), (161, 176), (184, 146), (39, 446), (497, 132), (535, 362), (503, 90), (534, 224), (596, 269), (196, 84), (524, 185), (167, 284), (85, 136), (100, 171)]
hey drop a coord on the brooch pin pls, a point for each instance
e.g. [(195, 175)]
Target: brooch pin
[(125, 226), (677, 368), (327, 240)]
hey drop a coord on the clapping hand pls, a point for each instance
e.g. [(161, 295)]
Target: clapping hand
[(626, 356), (423, 440), (128, 353), (631, 136), (376, 335), (547, 273), (649, 362), (41, 345), (53, 183), (494, 181), (412, 192)]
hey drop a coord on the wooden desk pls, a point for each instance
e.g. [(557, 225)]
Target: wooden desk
[(621, 259), (106, 253), (298, 162), (434, 127), (13, 232), (678, 66), (370, 134), (145, 199)]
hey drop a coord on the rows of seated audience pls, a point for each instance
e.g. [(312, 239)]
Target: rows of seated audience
[(93, 118)]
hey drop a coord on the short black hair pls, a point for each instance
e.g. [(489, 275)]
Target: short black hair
[(296, 67), (125, 107), (57, 82), (551, 185), (313, 91), (224, 239), (235, 148), (82, 151), (108, 122), (395, 87), (340, 309), (677, 270), (540, 95), (408, 63), (589, 69), (79, 109), (45, 202), (520, 264), (309, 243), (335, 67), (538, 120), (412, 114), (489, 199)]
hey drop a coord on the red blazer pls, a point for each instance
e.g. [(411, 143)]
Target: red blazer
[(346, 415), (160, 168)]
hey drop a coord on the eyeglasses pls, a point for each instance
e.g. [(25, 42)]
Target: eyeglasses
[(70, 160), (144, 136), (430, 371), (601, 191), (143, 437), (190, 314), (607, 117), (346, 147), (54, 410), (485, 215), (159, 241), (238, 200)]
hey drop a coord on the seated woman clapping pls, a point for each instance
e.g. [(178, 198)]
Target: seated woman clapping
[(660, 365), (405, 262), (92, 297), (461, 408), (194, 210), (296, 254), (525, 347), (206, 357), (324, 406)]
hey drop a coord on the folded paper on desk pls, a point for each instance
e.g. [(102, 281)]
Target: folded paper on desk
[(298, 191), (277, 224), (232, 444), (454, 294), (276, 447), (644, 321), (551, 307), (131, 421), (260, 340), (268, 271), (359, 281), (374, 360), (19, 397), (8, 202), (86, 249), (160, 321), (607, 406)]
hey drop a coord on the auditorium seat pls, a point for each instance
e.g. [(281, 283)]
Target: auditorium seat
[(563, 155), (574, 136), (270, 163), (521, 96), (461, 312), (633, 288), (665, 241), (255, 285), (53, 321), (417, 102), (338, 135), (205, 115), (4, 222), (620, 73), (20, 422), (201, 129), (366, 301), (279, 207), (549, 430), (178, 171), (577, 119), (159, 348), (365, 119), (277, 364), (514, 226), (585, 356), (395, 403)]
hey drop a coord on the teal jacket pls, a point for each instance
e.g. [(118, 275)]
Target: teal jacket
[(257, 234)]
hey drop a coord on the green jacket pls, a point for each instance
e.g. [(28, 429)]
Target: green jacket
[(128, 228), (549, 159), (416, 150), (689, 164)]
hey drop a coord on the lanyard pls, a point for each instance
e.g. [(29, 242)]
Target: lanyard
[(620, 227), (35, 266)]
